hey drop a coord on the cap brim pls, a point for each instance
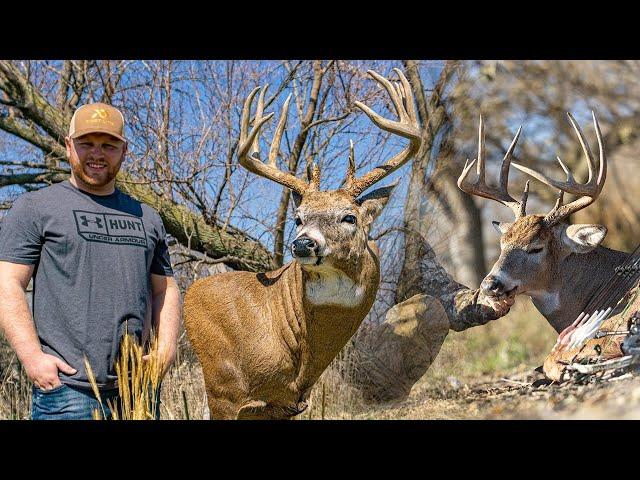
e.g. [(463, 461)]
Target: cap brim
[(97, 130)]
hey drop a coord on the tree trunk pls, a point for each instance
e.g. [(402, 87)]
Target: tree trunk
[(466, 247), (435, 130), (463, 216)]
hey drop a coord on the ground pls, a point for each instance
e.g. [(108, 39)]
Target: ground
[(483, 373), (513, 397), (489, 372)]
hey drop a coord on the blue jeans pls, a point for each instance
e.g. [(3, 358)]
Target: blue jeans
[(72, 403), (68, 403)]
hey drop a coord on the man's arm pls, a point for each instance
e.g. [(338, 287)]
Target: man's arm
[(465, 308), (473, 308), (17, 324), (167, 316)]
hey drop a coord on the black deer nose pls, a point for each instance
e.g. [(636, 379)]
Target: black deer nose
[(303, 246), (492, 286)]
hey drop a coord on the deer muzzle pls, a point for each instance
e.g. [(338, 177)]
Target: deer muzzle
[(498, 286), (304, 247), (492, 286)]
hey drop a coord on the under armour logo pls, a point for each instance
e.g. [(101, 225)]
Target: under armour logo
[(85, 222)]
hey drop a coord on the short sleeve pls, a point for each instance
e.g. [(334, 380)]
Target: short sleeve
[(161, 263), (20, 233)]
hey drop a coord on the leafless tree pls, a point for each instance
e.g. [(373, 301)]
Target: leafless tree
[(538, 95)]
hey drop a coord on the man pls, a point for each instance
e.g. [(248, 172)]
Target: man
[(100, 265)]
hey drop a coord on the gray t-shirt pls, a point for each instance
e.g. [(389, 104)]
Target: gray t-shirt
[(93, 256)]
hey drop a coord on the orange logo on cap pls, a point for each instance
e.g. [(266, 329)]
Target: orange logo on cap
[(100, 113)]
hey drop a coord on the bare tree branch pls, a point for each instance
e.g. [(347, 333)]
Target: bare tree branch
[(31, 178)]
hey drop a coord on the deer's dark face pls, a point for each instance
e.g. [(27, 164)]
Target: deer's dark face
[(531, 255), (332, 228), (527, 255)]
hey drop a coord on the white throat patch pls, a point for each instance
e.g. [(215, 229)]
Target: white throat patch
[(332, 287), (547, 302)]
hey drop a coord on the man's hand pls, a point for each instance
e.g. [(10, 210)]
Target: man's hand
[(166, 357), (501, 305), (42, 369)]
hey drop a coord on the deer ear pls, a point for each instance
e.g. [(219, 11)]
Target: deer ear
[(583, 238), (297, 198), (373, 202), (501, 227)]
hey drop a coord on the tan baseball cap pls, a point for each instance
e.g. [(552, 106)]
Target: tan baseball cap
[(97, 118)]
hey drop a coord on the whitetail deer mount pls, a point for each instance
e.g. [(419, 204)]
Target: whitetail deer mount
[(264, 339)]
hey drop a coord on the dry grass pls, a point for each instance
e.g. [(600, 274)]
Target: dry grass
[(518, 341), (15, 387), (183, 395), (521, 339), (138, 382)]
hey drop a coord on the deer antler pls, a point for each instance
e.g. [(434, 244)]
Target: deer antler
[(588, 192), (480, 187), (249, 150), (408, 127)]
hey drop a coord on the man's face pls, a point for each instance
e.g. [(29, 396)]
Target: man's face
[(95, 158)]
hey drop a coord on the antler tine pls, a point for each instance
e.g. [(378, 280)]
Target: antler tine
[(407, 127), (405, 90), (559, 200), (602, 174), (313, 176), (588, 192), (255, 146), (394, 95), (506, 161), (523, 200), (277, 137), (244, 120), (248, 144), (480, 187), (351, 169), (584, 145)]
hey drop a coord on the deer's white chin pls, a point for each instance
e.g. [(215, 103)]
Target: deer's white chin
[(319, 259)]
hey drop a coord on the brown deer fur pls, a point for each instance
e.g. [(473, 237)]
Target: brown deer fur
[(277, 348), (261, 341)]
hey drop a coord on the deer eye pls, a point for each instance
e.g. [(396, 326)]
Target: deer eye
[(535, 250), (298, 222), (349, 219)]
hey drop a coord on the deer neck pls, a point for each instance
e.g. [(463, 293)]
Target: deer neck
[(334, 303), (576, 280)]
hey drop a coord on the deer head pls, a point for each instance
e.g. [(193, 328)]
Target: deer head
[(333, 226), (533, 246)]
